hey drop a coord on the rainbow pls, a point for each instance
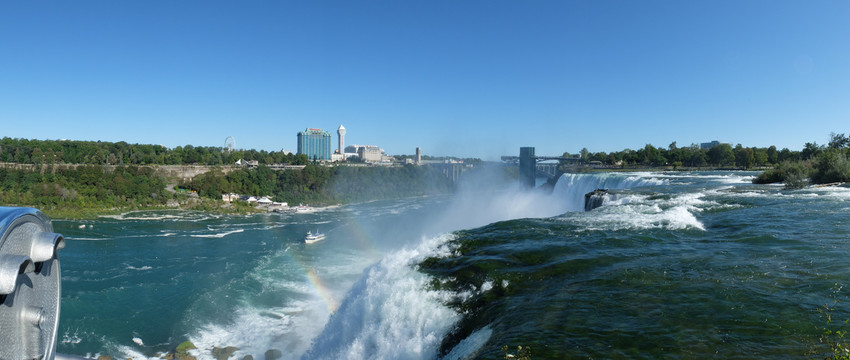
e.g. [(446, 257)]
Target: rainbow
[(357, 236), (322, 290)]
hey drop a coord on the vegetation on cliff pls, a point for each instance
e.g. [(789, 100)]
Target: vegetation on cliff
[(325, 185), (86, 188), (90, 190)]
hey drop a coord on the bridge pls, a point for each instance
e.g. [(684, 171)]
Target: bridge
[(531, 166), (453, 171)]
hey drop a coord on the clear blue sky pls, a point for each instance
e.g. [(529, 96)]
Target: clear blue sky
[(465, 78)]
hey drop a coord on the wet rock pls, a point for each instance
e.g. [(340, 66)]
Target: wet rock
[(225, 353), (594, 199), (248, 357), (273, 354), (185, 347)]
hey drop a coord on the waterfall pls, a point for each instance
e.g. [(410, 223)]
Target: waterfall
[(572, 188)]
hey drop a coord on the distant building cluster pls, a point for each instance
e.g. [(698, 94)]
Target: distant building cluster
[(709, 145), (316, 144)]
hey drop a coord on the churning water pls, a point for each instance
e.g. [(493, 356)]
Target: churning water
[(680, 265)]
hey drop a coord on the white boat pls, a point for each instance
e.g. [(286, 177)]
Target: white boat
[(312, 238)]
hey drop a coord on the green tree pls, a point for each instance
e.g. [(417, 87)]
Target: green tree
[(721, 155), (810, 150), (744, 157), (772, 155), (838, 141), (761, 157)]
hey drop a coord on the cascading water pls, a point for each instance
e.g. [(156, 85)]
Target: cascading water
[(393, 311), (573, 187)]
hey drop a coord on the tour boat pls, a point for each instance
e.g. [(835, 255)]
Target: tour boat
[(311, 238)]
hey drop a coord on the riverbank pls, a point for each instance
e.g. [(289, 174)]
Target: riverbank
[(87, 191), (91, 213)]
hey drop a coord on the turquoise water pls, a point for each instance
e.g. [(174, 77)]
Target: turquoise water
[(673, 265)]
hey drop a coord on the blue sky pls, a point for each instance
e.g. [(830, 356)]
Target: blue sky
[(464, 78)]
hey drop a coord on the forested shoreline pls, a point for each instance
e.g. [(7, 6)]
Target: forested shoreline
[(83, 191), (24, 151), (719, 156), (73, 179), (87, 191)]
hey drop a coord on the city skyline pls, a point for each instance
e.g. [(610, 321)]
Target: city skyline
[(472, 79)]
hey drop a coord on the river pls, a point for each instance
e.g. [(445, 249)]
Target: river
[(673, 265)]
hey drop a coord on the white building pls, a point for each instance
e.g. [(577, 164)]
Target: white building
[(371, 154), (341, 133)]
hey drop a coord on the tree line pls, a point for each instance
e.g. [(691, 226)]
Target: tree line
[(722, 155), (320, 184), (48, 152), (93, 189), (87, 186)]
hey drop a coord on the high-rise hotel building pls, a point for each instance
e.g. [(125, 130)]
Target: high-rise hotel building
[(315, 143)]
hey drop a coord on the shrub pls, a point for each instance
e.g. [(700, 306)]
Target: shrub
[(831, 166), (793, 174)]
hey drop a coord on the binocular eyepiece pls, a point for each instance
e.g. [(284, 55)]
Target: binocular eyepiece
[(30, 286)]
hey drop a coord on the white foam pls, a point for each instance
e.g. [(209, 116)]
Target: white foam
[(487, 286), (288, 327), (154, 215), (468, 348), (638, 211), (255, 331), (85, 238), (390, 313), (128, 353), (219, 235), (572, 187), (641, 216), (131, 267), (833, 192), (68, 338)]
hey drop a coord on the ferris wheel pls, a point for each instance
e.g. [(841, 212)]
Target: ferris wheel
[(229, 144)]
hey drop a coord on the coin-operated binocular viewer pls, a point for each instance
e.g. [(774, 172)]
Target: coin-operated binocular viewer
[(30, 287)]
